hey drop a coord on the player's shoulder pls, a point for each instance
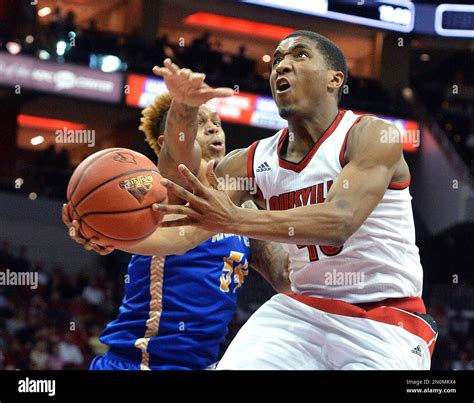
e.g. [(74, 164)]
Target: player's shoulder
[(233, 162), (375, 137), (371, 126), (370, 129)]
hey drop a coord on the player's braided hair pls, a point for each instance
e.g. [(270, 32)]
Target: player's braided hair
[(153, 120)]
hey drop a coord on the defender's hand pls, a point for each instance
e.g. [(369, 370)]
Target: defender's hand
[(188, 87), (75, 234)]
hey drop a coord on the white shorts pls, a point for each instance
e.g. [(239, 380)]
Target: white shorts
[(288, 334)]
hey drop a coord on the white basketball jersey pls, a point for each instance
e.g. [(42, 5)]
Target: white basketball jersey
[(379, 261)]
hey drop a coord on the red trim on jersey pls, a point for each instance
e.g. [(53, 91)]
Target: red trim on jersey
[(250, 158), (342, 160), (250, 166), (393, 311), (399, 186), (298, 167)]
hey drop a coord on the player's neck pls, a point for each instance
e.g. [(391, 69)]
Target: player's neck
[(309, 129)]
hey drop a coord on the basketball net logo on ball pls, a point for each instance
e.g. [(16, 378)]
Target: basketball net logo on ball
[(138, 187), (125, 157)]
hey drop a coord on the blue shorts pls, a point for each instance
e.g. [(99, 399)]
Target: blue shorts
[(112, 362), (104, 363)]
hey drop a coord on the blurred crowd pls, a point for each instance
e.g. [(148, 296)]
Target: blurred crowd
[(56, 326), (203, 54), (445, 82)]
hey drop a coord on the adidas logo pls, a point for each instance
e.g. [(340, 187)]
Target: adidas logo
[(417, 351), (263, 167)]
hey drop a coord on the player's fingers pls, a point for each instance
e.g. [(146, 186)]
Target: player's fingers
[(87, 246), (101, 250), (161, 71), (211, 175), (220, 92), (171, 66), (180, 222), (196, 79), (179, 191), (65, 215), (184, 73), (195, 183), (75, 233), (176, 209)]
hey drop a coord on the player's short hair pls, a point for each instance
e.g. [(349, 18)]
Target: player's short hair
[(331, 53), (153, 120)]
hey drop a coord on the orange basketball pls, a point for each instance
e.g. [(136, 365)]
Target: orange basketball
[(111, 193)]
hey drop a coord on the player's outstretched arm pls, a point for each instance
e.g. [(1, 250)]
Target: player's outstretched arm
[(188, 92), (163, 242), (354, 195)]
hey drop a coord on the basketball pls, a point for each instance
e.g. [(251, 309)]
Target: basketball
[(111, 194)]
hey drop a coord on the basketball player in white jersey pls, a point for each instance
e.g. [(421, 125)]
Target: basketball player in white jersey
[(335, 187)]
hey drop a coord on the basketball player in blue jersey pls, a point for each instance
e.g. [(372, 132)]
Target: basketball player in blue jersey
[(182, 283)]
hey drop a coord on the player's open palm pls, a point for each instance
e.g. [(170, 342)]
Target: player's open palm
[(188, 87)]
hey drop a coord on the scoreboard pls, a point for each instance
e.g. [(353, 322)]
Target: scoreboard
[(447, 19)]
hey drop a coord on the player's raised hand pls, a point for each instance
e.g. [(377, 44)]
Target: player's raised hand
[(207, 207), (188, 87), (75, 234)]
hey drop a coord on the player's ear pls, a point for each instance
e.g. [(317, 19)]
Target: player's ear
[(160, 140), (335, 80)]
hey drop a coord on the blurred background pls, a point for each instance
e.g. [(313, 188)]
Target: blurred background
[(84, 66)]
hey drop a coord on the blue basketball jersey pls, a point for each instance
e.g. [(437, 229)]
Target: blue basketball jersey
[(176, 309)]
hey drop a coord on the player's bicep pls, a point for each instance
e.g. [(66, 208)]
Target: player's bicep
[(361, 185), (358, 190)]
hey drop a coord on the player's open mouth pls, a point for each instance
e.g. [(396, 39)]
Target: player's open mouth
[(217, 145), (282, 85)]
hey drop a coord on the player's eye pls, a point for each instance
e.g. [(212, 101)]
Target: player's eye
[(276, 60), (302, 53), (217, 123)]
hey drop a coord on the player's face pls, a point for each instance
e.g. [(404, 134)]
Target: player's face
[(299, 77), (210, 135)]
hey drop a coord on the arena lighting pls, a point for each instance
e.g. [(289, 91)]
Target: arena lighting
[(61, 48), (36, 122), (44, 55), (238, 25), (110, 64), (266, 58), (37, 140), (13, 48), (44, 12)]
